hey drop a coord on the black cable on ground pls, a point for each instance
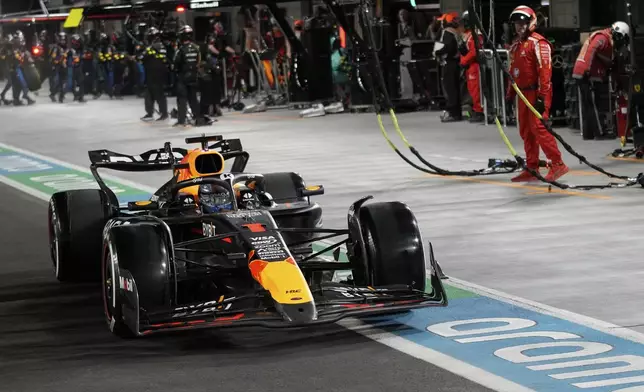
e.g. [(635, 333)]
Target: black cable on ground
[(377, 71), (631, 181)]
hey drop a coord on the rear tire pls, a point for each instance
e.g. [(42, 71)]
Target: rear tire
[(284, 186), (76, 222), (395, 253)]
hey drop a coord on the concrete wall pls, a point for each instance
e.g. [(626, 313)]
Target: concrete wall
[(565, 13)]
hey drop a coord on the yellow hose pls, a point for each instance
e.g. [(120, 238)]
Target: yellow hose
[(505, 137), (527, 103)]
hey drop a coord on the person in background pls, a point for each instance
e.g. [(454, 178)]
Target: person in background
[(531, 69), (341, 72), (593, 64), (187, 62), (5, 60), (298, 28), (470, 62), (446, 50), (20, 58), (155, 65), (218, 51)]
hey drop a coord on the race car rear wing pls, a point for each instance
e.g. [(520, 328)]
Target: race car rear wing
[(166, 158)]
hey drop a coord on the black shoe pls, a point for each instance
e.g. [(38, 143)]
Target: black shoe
[(17, 102), (6, 101), (52, 97), (477, 117), (30, 101), (163, 117), (147, 117)]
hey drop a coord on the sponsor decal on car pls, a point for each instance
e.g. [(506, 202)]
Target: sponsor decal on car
[(204, 307), (243, 214), (269, 247), (126, 284)]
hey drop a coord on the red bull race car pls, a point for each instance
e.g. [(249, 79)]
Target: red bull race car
[(224, 249)]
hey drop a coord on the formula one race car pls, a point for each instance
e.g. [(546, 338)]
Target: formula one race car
[(215, 249)]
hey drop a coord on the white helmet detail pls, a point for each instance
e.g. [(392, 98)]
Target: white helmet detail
[(620, 30)]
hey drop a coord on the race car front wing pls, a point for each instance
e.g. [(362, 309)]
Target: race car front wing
[(333, 302)]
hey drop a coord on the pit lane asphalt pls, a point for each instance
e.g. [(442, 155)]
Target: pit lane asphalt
[(559, 248), (53, 338)]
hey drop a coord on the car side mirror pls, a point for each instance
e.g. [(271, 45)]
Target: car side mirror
[(312, 190)]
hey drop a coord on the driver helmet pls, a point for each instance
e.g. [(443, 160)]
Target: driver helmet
[(214, 198)]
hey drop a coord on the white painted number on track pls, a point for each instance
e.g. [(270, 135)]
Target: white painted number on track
[(566, 350)]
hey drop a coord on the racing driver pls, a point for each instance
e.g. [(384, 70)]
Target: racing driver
[(531, 69)]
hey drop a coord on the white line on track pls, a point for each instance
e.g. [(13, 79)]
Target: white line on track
[(30, 191), (426, 354), (603, 326), (434, 357)]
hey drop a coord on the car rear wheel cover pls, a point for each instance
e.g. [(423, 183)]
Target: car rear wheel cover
[(109, 287), (54, 242)]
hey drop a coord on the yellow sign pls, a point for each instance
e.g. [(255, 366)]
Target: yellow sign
[(313, 188), (638, 88), (74, 18), (143, 203)]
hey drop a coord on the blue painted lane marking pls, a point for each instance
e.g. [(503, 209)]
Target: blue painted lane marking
[(538, 351), (48, 177)]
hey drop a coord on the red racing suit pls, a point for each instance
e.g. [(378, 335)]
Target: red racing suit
[(531, 68), (473, 72), (595, 57)]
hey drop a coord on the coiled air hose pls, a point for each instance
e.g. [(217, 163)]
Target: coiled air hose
[(630, 180), (433, 169)]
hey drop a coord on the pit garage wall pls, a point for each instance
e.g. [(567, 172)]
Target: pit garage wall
[(565, 14)]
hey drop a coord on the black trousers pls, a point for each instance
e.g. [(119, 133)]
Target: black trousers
[(119, 77), (7, 86), (155, 92), (592, 97), (452, 88), (206, 87), (187, 94)]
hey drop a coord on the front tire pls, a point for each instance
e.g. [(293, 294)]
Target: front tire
[(112, 303), (76, 222), (395, 253), (138, 274)]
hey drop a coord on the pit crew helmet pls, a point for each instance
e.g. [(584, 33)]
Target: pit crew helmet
[(524, 14), (621, 32), (62, 38), (153, 34), (185, 33), (466, 21), (214, 198)]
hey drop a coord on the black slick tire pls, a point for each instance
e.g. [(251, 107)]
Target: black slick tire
[(395, 253), (76, 221)]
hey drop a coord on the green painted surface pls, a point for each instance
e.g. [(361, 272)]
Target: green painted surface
[(456, 293), (62, 180), (452, 292)]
